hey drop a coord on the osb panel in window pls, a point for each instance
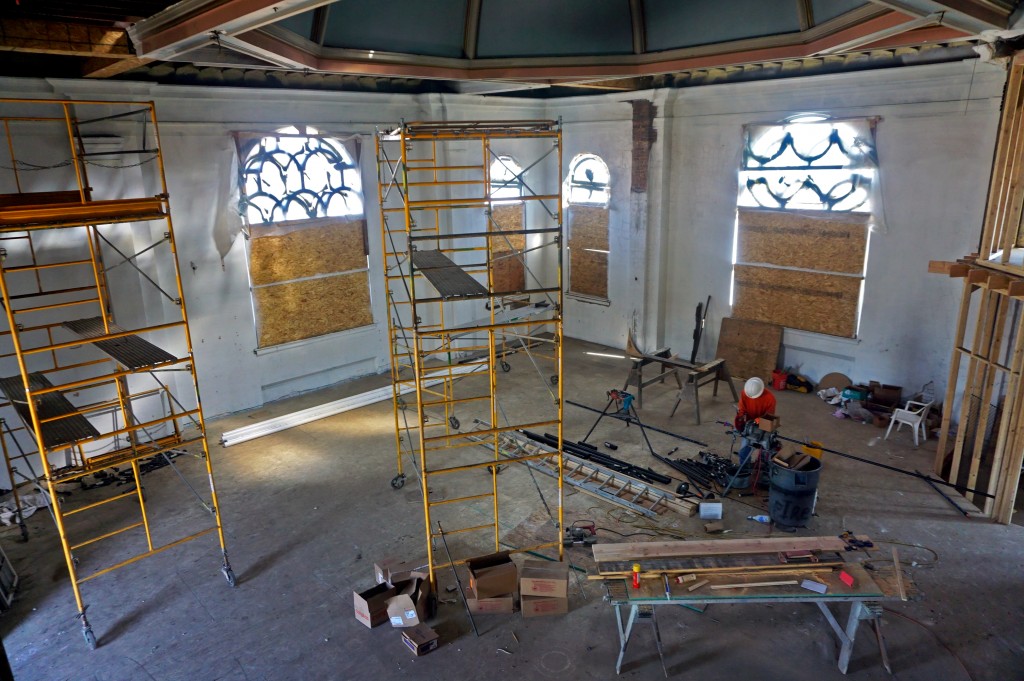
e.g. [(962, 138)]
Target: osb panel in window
[(509, 275), (588, 246), (284, 252), (313, 307), (588, 227), (823, 303), (813, 240), (507, 218), (588, 273)]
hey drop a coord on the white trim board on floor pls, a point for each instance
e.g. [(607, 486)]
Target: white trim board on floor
[(298, 418)]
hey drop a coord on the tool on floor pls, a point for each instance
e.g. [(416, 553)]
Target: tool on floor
[(458, 581), (852, 543), (580, 533)]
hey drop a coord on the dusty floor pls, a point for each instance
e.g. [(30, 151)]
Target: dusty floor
[(307, 511)]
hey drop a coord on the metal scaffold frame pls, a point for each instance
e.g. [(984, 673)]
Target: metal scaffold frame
[(437, 210), (82, 380)]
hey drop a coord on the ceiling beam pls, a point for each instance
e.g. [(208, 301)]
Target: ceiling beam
[(471, 32), (108, 68), (970, 16), (193, 23), (636, 15), (319, 32), (63, 38), (805, 10), (882, 34)]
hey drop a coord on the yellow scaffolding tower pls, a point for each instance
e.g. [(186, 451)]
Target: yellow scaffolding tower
[(92, 395), (454, 314)]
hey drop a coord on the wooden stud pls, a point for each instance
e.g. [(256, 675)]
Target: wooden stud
[(990, 350), (954, 375), (939, 266), (1016, 289), (698, 585), (972, 370), (998, 282), (1009, 120), (1011, 415), (978, 276), (959, 270), (785, 582), (605, 553)]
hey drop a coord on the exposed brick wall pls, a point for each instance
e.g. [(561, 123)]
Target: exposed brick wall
[(644, 136)]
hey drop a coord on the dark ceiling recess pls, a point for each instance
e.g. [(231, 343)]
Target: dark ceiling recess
[(536, 48), (108, 13)]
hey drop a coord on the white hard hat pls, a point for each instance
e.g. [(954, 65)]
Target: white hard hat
[(753, 387)]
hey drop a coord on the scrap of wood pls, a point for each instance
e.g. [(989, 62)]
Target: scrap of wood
[(698, 585), (899, 574), (786, 582), (978, 276), (607, 553)]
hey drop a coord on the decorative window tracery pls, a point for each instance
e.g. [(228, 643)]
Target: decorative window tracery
[(588, 181), (819, 165), (299, 175)]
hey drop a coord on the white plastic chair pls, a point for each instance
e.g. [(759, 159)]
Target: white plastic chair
[(913, 414)]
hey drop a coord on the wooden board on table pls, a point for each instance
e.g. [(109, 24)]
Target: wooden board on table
[(606, 553), (749, 348)]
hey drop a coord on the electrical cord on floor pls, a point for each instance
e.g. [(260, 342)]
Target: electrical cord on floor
[(936, 636), (625, 534)]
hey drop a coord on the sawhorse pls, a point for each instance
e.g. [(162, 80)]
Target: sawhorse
[(697, 376), (669, 367)]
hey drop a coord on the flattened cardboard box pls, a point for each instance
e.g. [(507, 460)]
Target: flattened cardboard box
[(543, 578), (371, 606), (538, 606), (492, 575), (408, 606), (496, 605), (420, 639)]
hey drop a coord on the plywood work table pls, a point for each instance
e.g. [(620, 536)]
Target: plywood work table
[(864, 598)]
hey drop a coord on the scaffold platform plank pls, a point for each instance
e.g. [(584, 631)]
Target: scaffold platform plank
[(72, 428), (132, 351), (450, 280)]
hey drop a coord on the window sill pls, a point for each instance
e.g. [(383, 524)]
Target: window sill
[(315, 340), (819, 343), (592, 300)]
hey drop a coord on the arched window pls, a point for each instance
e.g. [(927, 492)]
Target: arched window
[(506, 180), (299, 175), (588, 181), (308, 265)]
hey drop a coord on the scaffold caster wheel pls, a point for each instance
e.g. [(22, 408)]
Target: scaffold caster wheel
[(398, 482), (505, 366), (454, 422), (228, 575), (90, 638), (554, 380)]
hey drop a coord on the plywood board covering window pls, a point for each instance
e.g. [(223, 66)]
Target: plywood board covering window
[(309, 278), (800, 269), (507, 267), (588, 251)]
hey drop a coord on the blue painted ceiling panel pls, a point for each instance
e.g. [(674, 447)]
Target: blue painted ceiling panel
[(300, 23), (433, 28), (830, 9), (672, 24), (536, 28)]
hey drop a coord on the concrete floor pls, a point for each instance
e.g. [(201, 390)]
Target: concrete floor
[(308, 510)]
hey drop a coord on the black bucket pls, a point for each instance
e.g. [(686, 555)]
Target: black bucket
[(792, 494)]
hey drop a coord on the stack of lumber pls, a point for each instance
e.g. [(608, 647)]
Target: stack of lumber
[(750, 562)]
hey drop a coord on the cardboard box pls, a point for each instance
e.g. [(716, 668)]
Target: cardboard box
[(391, 570), (543, 578), (492, 575), (539, 606), (769, 423), (371, 606), (408, 606), (420, 639), (495, 605)]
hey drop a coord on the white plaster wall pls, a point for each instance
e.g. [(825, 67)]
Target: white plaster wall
[(935, 145)]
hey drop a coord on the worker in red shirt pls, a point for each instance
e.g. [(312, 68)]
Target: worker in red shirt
[(755, 402)]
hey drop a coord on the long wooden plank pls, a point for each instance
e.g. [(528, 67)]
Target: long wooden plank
[(607, 553)]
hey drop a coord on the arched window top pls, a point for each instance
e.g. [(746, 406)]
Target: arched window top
[(506, 180), (297, 174), (588, 181)]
